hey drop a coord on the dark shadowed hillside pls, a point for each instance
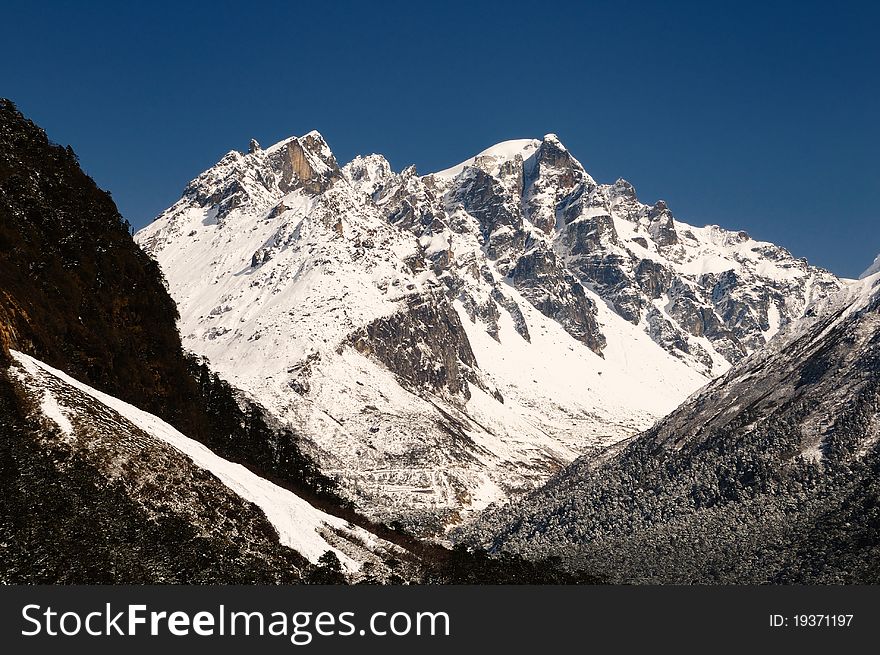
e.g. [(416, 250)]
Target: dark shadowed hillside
[(76, 292), (116, 506)]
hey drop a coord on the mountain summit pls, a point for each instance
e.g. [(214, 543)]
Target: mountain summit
[(450, 340)]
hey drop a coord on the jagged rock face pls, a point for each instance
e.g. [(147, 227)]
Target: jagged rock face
[(767, 475), (556, 294), (305, 162), (587, 234), (304, 286), (368, 174), (550, 176), (424, 344), (500, 225), (491, 192), (653, 278), (721, 293), (661, 226), (243, 181), (663, 332)]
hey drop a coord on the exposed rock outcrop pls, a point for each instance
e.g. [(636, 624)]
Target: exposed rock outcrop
[(423, 344)]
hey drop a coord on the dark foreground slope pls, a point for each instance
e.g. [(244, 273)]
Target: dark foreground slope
[(770, 474), (115, 504), (75, 291)]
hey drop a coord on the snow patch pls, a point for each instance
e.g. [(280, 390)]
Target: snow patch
[(52, 410)]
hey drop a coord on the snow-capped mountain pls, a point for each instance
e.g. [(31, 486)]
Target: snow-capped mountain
[(769, 474), (449, 340)]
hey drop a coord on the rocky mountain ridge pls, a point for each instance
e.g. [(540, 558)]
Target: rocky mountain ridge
[(450, 340)]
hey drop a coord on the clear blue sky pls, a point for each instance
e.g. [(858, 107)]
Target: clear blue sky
[(760, 116)]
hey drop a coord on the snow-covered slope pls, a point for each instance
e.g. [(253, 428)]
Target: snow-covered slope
[(771, 473), (449, 340), (70, 405)]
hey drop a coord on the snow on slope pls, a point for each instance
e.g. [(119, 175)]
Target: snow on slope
[(300, 526), (450, 340), (707, 295), (577, 396)]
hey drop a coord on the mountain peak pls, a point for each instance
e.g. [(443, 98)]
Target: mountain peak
[(305, 161), (312, 302), (623, 189), (368, 174), (552, 153), (261, 176)]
